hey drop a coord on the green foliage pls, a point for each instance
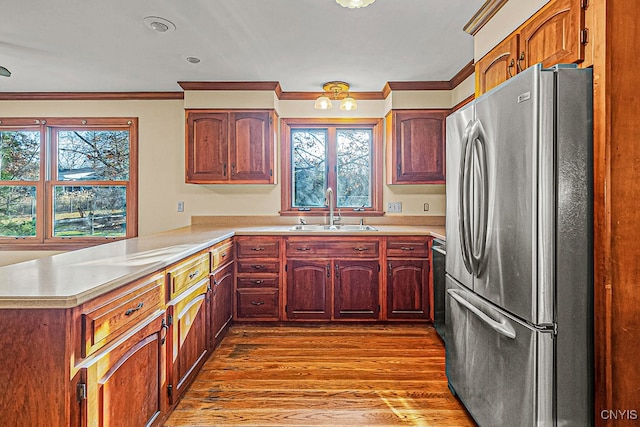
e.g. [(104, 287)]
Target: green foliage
[(17, 228)]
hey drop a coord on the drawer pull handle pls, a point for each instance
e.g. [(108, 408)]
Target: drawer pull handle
[(407, 248), (361, 248), (257, 282), (258, 266), (258, 249), (130, 311), (303, 249), (257, 303), (194, 274), (224, 254)]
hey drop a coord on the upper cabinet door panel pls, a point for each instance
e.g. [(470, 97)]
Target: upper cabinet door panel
[(553, 36), (419, 147), (497, 66), (207, 147), (250, 144)]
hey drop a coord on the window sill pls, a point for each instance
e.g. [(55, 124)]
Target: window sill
[(11, 245), (324, 212)]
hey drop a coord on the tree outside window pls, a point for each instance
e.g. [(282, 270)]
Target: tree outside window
[(67, 181), (342, 154)]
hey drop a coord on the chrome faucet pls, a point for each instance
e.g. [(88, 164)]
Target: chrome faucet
[(328, 199)]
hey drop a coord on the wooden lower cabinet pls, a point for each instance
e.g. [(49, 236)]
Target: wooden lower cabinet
[(308, 289), (221, 302), (188, 339), (257, 290), (356, 289), (332, 280), (407, 289), (124, 385)]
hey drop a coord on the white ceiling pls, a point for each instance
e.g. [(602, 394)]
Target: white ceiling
[(104, 46)]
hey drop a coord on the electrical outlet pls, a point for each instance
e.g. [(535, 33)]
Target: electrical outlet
[(426, 207), (180, 206), (394, 207)]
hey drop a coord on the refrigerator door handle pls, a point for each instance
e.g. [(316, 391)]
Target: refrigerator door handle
[(502, 327), (464, 208), (479, 245)]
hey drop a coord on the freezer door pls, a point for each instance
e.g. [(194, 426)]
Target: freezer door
[(513, 140), (457, 131), (500, 368)]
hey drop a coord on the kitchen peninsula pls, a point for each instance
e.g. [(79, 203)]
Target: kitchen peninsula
[(129, 323)]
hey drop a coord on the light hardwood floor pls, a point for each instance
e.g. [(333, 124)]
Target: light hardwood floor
[(323, 375)]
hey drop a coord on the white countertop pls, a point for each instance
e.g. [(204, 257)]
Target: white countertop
[(72, 278)]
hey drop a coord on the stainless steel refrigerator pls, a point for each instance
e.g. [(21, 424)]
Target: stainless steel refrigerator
[(519, 265)]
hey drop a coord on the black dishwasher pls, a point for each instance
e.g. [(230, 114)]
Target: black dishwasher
[(438, 254)]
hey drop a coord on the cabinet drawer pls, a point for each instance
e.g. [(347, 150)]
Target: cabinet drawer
[(258, 266), (221, 254), (113, 314), (257, 303), (257, 247), (413, 247), (258, 282), (187, 273), (356, 248)]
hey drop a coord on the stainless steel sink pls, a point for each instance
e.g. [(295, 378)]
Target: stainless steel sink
[(324, 227)]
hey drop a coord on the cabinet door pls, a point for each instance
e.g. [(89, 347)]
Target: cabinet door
[(418, 147), (125, 383), (408, 289), (308, 289), (497, 66), (222, 302), (553, 36), (251, 147), (356, 290), (188, 342), (207, 147)]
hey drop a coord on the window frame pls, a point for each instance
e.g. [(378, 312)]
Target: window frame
[(49, 179), (331, 124)]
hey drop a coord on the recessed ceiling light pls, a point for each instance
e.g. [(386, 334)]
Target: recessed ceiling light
[(4, 72), (193, 59), (158, 24)]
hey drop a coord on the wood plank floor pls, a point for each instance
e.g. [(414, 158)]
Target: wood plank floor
[(323, 375)]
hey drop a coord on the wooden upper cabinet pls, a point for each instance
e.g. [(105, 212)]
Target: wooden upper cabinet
[(207, 147), (230, 147), (416, 146), (251, 146), (554, 35), (497, 66)]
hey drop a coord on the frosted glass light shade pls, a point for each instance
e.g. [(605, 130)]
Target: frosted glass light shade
[(354, 4), (322, 103), (348, 104)]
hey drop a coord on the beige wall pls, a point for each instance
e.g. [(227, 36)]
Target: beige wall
[(508, 18), (161, 152)]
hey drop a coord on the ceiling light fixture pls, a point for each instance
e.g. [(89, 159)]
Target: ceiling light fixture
[(193, 59), (336, 88), (158, 24), (4, 72), (354, 4)]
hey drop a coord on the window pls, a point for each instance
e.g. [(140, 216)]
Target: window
[(344, 155), (67, 182)]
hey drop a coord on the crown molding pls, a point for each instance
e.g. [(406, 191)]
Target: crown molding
[(462, 75), (274, 86), (310, 96), (483, 15), (88, 96)]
